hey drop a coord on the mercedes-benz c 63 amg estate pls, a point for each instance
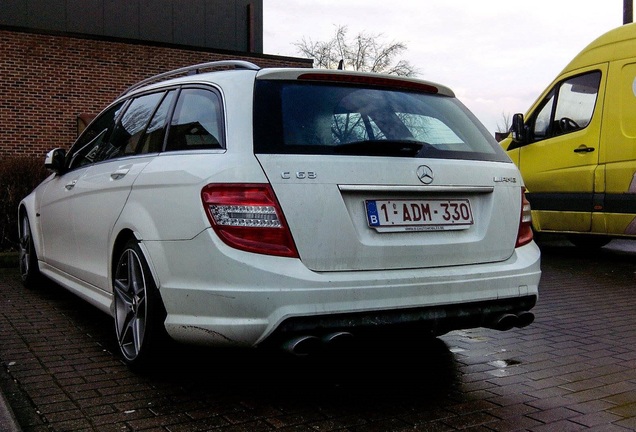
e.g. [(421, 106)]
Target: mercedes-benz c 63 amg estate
[(229, 205)]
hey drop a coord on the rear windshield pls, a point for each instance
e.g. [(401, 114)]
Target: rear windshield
[(296, 117)]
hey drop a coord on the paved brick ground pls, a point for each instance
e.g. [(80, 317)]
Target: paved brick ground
[(573, 369)]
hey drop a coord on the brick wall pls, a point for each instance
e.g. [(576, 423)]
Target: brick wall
[(47, 81)]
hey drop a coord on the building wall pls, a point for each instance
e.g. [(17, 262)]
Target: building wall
[(48, 81), (235, 25)]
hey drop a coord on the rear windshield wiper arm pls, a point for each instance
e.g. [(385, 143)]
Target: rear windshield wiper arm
[(407, 148)]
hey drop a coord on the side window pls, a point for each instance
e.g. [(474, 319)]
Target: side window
[(568, 108), (132, 125), (542, 121), (576, 101), (152, 140), (197, 122), (95, 136)]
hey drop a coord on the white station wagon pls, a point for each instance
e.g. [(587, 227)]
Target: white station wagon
[(224, 204)]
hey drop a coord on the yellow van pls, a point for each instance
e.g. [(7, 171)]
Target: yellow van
[(576, 147)]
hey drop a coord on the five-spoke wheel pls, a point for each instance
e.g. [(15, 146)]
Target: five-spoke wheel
[(29, 269), (137, 307)]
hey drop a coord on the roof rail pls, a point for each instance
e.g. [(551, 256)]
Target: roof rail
[(193, 70)]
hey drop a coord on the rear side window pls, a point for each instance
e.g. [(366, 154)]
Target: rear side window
[(197, 122), (312, 118)]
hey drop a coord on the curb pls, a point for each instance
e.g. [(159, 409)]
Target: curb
[(8, 422)]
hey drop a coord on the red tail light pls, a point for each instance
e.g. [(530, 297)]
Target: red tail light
[(525, 223), (248, 217)]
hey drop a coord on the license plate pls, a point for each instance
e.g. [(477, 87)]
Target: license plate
[(419, 215)]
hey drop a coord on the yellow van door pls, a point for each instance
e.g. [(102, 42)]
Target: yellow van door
[(619, 150), (560, 156)]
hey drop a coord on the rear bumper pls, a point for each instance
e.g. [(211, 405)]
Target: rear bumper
[(220, 296), (428, 320)]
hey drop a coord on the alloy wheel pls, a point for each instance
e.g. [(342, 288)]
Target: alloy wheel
[(131, 306)]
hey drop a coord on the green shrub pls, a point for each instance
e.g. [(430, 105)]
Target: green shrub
[(18, 177)]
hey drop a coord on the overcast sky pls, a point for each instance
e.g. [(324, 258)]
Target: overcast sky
[(497, 55)]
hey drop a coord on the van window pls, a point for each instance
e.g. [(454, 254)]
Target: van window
[(543, 119), (628, 100), (570, 110)]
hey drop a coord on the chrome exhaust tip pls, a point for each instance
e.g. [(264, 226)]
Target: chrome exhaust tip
[(524, 319), (504, 322), (302, 345)]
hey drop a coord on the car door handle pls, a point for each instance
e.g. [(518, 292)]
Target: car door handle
[(121, 172), (584, 149), (70, 185)]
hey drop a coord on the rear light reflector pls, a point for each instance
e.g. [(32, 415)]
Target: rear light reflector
[(525, 234), (248, 217)]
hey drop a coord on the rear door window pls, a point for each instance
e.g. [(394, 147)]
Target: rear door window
[(152, 140), (128, 132)]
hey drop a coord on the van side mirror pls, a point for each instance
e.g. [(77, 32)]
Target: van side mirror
[(55, 160), (518, 130)]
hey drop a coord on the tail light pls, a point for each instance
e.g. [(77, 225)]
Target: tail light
[(525, 223), (248, 217)]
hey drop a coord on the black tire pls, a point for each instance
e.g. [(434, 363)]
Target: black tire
[(137, 308), (589, 241), (29, 268)]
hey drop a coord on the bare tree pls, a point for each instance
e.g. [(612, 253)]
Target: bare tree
[(364, 52), (505, 124)]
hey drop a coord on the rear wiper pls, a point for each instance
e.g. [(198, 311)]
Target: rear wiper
[(406, 148)]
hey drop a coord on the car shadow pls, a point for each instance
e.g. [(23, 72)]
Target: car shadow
[(398, 368), (424, 369)]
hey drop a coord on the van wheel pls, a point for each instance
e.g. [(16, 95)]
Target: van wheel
[(29, 269), (589, 241), (138, 310)]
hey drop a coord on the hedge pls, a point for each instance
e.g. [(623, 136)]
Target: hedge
[(18, 177)]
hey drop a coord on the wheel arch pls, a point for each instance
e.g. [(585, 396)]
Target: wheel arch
[(123, 237), (27, 208)]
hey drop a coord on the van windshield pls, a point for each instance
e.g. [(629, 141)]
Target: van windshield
[(295, 117)]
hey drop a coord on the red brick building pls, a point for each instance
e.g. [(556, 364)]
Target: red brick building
[(52, 77)]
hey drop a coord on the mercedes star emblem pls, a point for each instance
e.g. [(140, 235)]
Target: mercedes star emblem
[(425, 174)]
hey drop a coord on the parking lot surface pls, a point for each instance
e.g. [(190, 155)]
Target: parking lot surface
[(573, 369)]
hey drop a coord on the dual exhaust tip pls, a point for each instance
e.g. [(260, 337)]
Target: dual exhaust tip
[(306, 345), (508, 321)]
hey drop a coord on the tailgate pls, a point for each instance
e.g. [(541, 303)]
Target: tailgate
[(369, 213)]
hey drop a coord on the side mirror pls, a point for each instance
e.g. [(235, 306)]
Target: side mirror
[(518, 130), (55, 160)]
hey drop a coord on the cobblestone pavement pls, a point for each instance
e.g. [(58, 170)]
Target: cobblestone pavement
[(573, 369)]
